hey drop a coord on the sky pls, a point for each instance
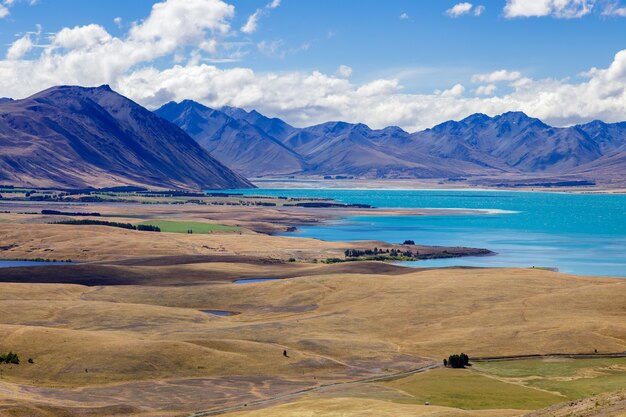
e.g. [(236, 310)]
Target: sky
[(397, 62)]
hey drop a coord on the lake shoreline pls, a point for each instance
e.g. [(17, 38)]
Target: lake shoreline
[(422, 184)]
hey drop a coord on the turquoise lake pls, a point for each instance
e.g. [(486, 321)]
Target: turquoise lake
[(583, 234)]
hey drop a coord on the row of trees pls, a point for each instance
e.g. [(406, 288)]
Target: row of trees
[(140, 227), (357, 253)]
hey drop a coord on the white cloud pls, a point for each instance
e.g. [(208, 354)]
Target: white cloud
[(456, 91), (4, 11), (404, 16), (82, 37), (486, 90), (118, 22), (20, 47), (459, 9), (496, 76), (564, 9), (252, 22), (89, 55), (464, 8), (344, 71), (478, 10), (308, 98)]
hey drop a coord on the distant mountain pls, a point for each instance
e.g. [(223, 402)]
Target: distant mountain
[(75, 137), (510, 144), (274, 127), (241, 145), (511, 141)]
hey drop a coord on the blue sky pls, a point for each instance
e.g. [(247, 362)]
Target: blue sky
[(421, 46)]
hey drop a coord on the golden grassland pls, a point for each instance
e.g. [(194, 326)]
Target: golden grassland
[(129, 341), (144, 347)]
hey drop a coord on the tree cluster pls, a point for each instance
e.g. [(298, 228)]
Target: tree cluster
[(457, 361), (394, 253)]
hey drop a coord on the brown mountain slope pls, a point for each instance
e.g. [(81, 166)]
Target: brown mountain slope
[(75, 137)]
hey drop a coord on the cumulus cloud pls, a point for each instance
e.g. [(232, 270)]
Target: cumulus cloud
[(4, 11), (563, 9), (89, 55), (404, 16), (307, 98), (496, 76), (20, 47), (459, 9), (456, 91), (464, 8), (486, 90)]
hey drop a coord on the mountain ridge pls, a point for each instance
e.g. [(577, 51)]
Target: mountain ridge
[(478, 145), (78, 137)]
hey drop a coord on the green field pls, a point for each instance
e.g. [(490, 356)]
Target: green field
[(197, 227), (572, 378), (467, 389)]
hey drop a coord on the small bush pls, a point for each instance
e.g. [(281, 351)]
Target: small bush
[(10, 358), (409, 242)]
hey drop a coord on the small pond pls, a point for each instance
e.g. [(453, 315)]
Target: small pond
[(224, 313), (14, 264), (253, 280)]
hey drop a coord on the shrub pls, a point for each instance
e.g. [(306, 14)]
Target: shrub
[(409, 242), (10, 358)]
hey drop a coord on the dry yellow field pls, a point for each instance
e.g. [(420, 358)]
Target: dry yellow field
[(134, 343)]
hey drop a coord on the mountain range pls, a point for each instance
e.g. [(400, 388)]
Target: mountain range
[(511, 145), (75, 137)]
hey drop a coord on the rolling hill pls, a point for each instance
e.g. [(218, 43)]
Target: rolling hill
[(75, 137)]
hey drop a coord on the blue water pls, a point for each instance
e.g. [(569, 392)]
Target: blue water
[(12, 264), (583, 234), (222, 313), (253, 280)]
